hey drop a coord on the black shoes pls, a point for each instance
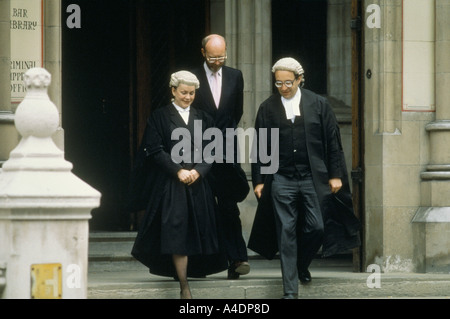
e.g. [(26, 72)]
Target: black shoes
[(232, 275), (304, 276), (290, 296), (238, 268)]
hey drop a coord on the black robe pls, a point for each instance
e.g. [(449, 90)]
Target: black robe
[(179, 219), (327, 161)]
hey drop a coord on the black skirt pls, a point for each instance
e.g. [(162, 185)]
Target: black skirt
[(184, 223)]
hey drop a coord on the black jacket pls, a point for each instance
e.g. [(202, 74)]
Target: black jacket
[(228, 179), (231, 105)]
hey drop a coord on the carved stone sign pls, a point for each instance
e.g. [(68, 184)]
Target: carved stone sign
[(26, 21)]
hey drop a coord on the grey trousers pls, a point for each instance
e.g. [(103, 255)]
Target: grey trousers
[(299, 225)]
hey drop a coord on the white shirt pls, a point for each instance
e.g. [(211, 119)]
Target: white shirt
[(292, 105), (183, 112)]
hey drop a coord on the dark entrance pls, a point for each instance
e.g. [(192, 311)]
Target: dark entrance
[(299, 30), (115, 70)]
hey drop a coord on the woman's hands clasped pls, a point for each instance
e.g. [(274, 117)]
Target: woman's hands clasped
[(188, 177)]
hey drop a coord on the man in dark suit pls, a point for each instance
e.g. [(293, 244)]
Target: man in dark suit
[(221, 95), (300, 196)]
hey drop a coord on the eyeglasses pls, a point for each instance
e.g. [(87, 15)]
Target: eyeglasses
[(288, 84), (218, 59)]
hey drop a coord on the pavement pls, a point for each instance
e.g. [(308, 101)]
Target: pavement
[(332, 278)]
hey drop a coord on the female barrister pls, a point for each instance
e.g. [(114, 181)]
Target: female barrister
[(179, 236)]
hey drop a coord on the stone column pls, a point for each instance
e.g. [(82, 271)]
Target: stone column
[(248, 30), (339, 51), (439, 130), (44, 208), (249, 37), (5, 57), (6, 117), (53, 58), (339, 64), (433, 219), (382, 127)]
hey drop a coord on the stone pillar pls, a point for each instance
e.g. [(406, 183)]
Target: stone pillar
[(248, 30), (249, 37), (433, 219), (382, 127), (53, 58), (6, 117), (339, 65), (44, 208), (339, 51), (5, 57)]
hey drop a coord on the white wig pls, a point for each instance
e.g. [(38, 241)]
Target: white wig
[(288, 64), (183, 77)]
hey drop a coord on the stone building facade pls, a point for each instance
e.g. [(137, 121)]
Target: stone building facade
[(386, 72)]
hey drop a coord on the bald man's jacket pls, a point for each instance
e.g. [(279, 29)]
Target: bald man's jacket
[(228, 180)]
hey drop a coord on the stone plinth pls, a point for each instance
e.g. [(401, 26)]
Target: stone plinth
[(44, 207), (433, 250)]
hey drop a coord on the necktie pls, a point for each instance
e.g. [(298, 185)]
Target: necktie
[(216, 89)]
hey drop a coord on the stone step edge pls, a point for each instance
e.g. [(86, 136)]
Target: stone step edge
[(111, 258), (98, 236), (273, 289)]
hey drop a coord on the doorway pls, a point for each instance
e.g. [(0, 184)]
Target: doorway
[(115, 71), (326, 38), (95, 99), (299, 30)]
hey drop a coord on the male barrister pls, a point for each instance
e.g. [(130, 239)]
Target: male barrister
[(306, 203), (221, 95)]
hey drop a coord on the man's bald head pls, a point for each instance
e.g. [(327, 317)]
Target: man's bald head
[(214, 50), (214, 40)]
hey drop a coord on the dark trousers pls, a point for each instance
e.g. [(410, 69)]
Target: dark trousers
[(231, 227), (299, 225)]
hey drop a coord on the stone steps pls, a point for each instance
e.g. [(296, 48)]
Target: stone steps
[(264, 282), (114, 274), (111, 246), (111, 251)]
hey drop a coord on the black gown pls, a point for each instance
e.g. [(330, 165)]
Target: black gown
[(179, 219), (327, 160)]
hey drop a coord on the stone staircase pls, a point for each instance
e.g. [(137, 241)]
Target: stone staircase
[(114, 274), (111, 251)]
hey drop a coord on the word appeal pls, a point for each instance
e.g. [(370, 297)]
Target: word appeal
[(188, 149)]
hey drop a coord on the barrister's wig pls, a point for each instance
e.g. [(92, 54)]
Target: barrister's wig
[(183, 77), (288, 64)]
